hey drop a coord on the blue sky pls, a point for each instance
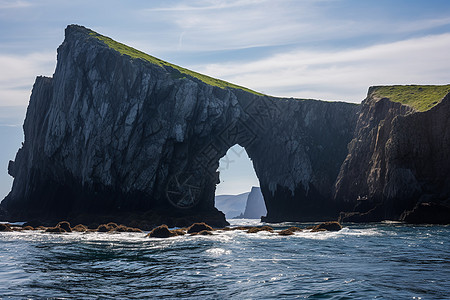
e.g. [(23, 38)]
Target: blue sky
[(322, 49)]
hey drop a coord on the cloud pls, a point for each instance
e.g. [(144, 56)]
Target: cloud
[(226, 25), (343, 75), (19, 75), (5, 4)]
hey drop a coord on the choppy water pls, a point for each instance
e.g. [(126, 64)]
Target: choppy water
[(386, 261)]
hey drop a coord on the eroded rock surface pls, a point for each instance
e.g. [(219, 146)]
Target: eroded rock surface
[(398, 159), (110, 134)]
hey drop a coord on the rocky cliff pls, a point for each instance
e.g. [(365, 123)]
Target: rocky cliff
[(116, 132), (399, 158)]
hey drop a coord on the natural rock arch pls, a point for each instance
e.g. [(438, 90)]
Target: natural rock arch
[(112, 134)]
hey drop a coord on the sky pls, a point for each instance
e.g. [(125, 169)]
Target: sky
[(321, 49)]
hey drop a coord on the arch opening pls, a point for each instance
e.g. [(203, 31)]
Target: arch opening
[(238, 193)]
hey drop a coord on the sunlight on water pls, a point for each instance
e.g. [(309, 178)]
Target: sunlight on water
[(386, 260)]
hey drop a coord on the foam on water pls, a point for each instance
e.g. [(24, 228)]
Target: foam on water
[(393, 261)]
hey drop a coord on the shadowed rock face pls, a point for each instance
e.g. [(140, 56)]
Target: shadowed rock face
[(111, 134), (398, 158)]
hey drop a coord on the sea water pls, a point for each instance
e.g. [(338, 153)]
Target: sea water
[(369, 261)]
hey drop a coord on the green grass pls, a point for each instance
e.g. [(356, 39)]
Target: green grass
[(136, 54), (420, 97)]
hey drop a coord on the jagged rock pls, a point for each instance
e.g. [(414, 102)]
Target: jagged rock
[(161, 232), (398, 156), (180, 231), (259, 229), (197, 227), (80, 228), (327, 226), (64, 225), (114, 134), (5, 227), (27, 228), (286, 232), (103, 228)]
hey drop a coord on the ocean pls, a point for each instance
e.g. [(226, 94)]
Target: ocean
[(362, 261)]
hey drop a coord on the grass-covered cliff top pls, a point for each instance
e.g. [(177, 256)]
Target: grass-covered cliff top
[(420, 97), (126, 50)]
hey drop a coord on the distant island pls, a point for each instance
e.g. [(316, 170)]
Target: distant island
[(119, 135)]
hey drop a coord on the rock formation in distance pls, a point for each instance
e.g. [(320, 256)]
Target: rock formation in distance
[(255, 207)]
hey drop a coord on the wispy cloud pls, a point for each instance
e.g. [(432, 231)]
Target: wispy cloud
[(224, 25), (5, 4), (343, 75), (19, 72)]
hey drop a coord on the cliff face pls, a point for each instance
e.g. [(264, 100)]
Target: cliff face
[(398, 159), (111, 133)]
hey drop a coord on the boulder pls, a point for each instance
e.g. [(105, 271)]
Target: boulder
[(161, 232), (259, 229), (327, 226), (197, 227), (64, 225), (5, 227), (80, 228)]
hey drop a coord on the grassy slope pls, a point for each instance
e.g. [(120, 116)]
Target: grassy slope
[(420, 97), (126, 50)]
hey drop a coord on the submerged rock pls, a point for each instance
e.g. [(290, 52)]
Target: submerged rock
[(259, 229), (290, 231), (161, 232), (327, 226), (197, 227), (5, 227), (64, 225), (80, 228)]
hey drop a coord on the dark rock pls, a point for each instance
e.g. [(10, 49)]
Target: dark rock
[(112, 225), (161, 232), (286, 232), (327, 226), (427, 213), (197, 227), (259, 229), (103, 228), (80, 228), (109, 134), (5, 227), (179, 231), (64, 225), (27, 228), (398, 157)]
